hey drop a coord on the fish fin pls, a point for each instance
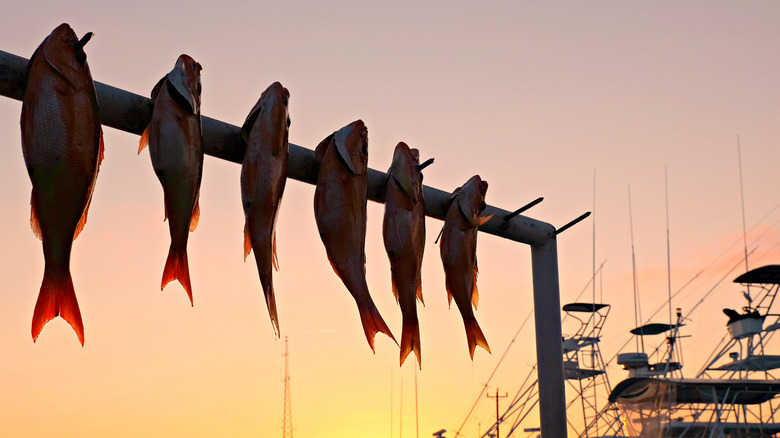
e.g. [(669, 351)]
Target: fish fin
[(395, 290), (373, 323), (410, 341), (195, 215), (144, 140), (419, 290), (270, 301), (34, 224), (102, 148), (475, 337), (57, 298), (83, 220), (449, 298), (474, 291), (482, 220), (274, 258), (177, 268), (247, 241)]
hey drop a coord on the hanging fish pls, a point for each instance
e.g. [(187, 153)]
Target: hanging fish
[(458, 248), (340, 211), (403, 231), (263, 176), (176, 148), (62, 144)]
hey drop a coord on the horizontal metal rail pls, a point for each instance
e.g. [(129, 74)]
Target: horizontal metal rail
[(131, 112)]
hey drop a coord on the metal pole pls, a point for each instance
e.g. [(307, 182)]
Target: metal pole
[(131, 112), (549, 351)]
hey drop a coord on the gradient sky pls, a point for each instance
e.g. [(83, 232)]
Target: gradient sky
[(532, 96)]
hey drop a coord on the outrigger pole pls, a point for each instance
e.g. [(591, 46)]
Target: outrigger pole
[(131, 112)]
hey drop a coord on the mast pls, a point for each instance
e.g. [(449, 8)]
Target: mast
[(287, 427), (637, 308)]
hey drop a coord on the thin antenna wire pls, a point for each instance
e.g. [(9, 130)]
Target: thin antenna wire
[(668, 251), (633, 266), (416, 406), (742, 197), (594, 235), (401, 410)]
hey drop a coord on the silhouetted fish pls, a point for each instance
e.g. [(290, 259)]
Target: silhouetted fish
[(459, 254), (340, 211), (176, 148), (62, 145), (403, 231), (263, 176)]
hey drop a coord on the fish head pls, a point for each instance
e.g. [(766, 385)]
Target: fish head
[(471, 198), (272, 109), (404, 170), (184, 80), (64, 52), (351, 144)]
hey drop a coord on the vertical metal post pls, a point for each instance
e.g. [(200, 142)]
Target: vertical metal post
[(549, 349)]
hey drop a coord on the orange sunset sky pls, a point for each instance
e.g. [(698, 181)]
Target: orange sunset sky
[(532, 96)]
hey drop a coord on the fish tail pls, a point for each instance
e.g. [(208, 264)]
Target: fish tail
[(410, 340), (177, 268), (373, 323), (475, 337), (57, 298), (270, 301)]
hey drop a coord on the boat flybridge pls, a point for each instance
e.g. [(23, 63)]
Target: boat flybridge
[(735, 395)]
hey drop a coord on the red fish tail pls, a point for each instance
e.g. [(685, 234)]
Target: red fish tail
[(57, 298), (177, 268), (475, 337), (373, 323), (410, 340)]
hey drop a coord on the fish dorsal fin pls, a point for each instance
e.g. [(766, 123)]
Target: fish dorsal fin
[(177, 79), (195, 215), (340, 138)]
